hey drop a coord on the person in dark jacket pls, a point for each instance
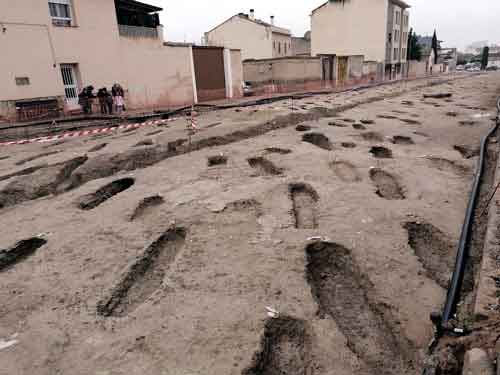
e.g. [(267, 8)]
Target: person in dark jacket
[(104, 99), (85, 99)]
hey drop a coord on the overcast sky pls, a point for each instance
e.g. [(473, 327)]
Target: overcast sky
[(458, 22)]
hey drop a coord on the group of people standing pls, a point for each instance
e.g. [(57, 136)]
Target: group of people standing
[(109, 103)]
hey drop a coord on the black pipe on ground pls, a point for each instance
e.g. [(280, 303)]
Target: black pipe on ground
[(458, 274)]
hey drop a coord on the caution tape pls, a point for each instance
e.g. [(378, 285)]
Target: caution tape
[(83, 133)]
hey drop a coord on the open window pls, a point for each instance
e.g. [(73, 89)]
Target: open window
[(61, 13)]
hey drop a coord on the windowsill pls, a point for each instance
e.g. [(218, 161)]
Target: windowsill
[(66, 26)]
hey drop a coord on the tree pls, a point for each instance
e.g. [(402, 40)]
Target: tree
[(485, 58), (414, 49), (435, 47)]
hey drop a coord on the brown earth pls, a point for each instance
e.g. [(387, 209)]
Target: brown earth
[(170, 264)]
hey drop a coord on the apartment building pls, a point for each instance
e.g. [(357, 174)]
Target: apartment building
[(376, 29), (54, 48), (256, 39)]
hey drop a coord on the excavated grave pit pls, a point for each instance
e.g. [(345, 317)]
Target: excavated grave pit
[(372, 137), (144, 142), (410, 121), (304, 205), (156, 132), (41, 183), (20, 251), (23, 172), (277, 150), (39, 156), (91, 201), (359, 127), (264, 167), (344, 294), (303, 128), (346, 171), (146, 205), (216, 160), (348, 144), (319, 140), (285, 349), (446, 165), (367, 122), (467, 151), (434, 249), (387, 185), (402, 140), (144, 276), (380, 152), (98, 147)]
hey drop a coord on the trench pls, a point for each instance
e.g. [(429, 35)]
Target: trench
[(20, 252), (387, 185), (434, 249), (319, 140), (285, 349), (146, 206), (91, 201), (144, 276), (264, 167), (304, 205), (344, 294)]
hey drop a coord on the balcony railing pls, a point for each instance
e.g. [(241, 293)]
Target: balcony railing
[(138, 31)]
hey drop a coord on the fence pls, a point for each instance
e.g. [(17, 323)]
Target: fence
[(137, 31)]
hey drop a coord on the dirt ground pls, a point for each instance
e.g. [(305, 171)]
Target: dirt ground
[(341, 212)]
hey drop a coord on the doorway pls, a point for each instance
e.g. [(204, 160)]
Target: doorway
[(70, 82)]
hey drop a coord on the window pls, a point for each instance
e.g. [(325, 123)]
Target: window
[(274, 45), (396, 36), (285, 48), (405, 38), (22, 81), (60, 11), (279, 47), (395, 56), (403, 54), (398, 17)]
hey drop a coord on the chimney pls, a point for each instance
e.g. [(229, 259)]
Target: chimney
[(272, 20), (252, 14)]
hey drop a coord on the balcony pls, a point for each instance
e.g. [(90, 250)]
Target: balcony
[(138, 31)]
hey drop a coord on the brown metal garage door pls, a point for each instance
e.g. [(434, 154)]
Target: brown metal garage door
[(209, 72)]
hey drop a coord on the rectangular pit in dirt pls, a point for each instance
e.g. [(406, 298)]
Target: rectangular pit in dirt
[(145, 276)]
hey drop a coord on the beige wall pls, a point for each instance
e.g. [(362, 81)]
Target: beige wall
[(254, 41), (356, 28), (301, 46), (237, 72), (282, 70), (285, 41), (155, 75), (417, 68)]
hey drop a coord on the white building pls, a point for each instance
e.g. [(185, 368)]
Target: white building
[(377, 29), (255, 38)]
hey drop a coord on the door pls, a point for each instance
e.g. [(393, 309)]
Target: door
[(342, 69), (70, 84), (209, 73)]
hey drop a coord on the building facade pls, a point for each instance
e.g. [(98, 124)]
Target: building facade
[(377, 29), (54, 48), (255, 38)]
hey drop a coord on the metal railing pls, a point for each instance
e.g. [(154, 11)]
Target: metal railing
[(137, 31)]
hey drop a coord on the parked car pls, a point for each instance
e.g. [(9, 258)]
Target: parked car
[(492, 68), (460, 67), (248, 89)]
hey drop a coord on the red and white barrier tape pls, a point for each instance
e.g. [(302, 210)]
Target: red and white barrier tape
[(83, 133)]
